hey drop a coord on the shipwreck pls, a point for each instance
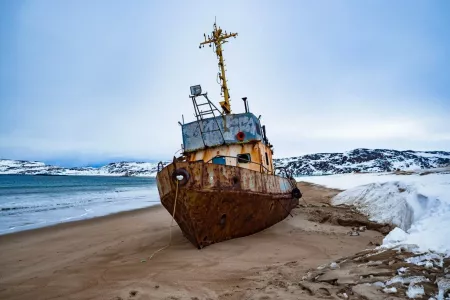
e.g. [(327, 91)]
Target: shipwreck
[(224, 184)]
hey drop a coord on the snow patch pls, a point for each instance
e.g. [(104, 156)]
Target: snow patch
[(415, 291), (334, 265), (395, 237), (443, 287), (427, 259), (391, 290), (407, 280)]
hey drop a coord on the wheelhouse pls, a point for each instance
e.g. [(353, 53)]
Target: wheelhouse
[(228, 139)]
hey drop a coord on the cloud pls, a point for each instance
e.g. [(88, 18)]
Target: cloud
[(91, 80)]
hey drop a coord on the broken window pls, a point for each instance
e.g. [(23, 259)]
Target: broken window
[(243, 158)]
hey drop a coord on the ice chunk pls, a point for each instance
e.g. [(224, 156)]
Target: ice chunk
[(415, 291), (391, 290), (396, 236)]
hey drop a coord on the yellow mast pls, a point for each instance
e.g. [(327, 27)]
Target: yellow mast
[(218, 38)]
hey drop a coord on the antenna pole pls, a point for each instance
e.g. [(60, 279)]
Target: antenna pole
[(218, 38)]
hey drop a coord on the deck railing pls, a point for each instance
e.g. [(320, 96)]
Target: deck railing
[(284, 172), (281, 171), (261, 166)]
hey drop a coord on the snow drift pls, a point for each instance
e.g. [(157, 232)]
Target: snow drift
[(418, 205), (389, 202)]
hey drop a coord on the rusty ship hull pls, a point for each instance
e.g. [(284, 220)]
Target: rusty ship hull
[(221, 202)]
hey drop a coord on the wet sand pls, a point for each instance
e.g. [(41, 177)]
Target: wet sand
[(103, 258)]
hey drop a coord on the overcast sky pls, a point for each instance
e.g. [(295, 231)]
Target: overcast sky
[(85, 82)]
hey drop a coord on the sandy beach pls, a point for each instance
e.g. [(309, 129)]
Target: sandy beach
[(107, 257)]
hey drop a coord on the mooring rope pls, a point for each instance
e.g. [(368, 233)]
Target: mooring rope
[(171, 222)]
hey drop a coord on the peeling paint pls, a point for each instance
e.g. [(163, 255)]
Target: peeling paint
[(229, 126)]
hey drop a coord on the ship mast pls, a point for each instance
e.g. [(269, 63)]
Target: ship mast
[(218, 38)]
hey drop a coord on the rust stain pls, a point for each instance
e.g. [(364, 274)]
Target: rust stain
[(257, 151), (221, 202)]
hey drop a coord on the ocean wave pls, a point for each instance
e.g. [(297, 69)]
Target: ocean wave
[(33, 205)]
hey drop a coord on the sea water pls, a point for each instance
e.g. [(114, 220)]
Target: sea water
[(28, 202)]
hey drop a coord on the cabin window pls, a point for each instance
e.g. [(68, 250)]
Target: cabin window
[(219, 160), (267, 159), (243, 158)]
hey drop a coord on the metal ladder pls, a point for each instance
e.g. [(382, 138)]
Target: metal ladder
[(207, 113)]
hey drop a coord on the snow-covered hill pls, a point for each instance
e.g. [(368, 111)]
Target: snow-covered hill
[(358, 160), (364, 160), (113, 169)]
